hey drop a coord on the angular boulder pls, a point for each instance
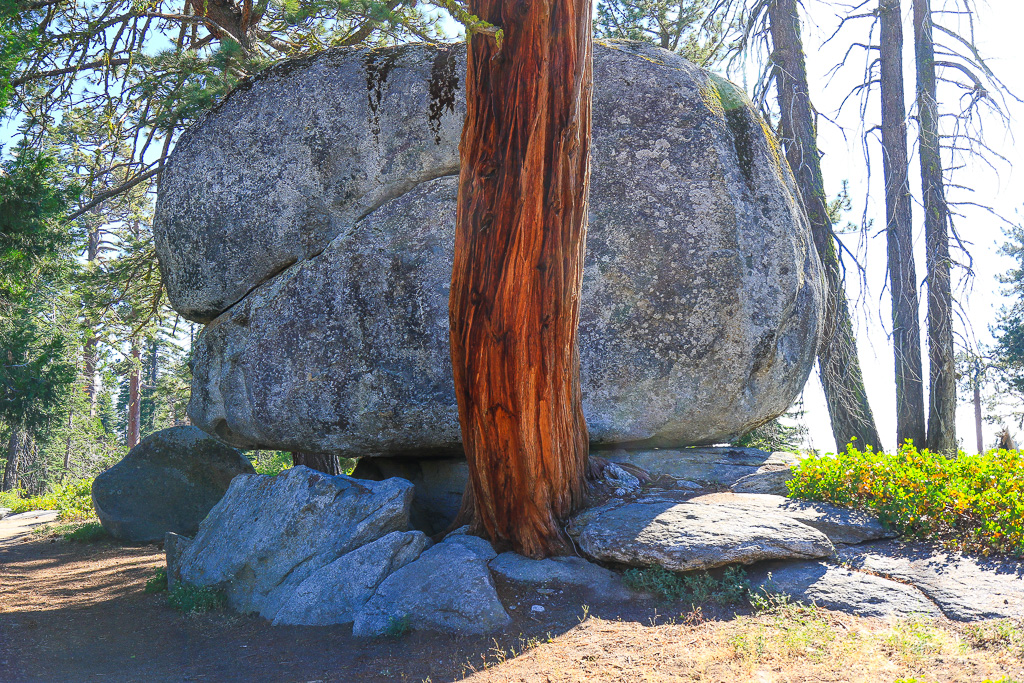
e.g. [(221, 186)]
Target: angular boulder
[(318, 205), (168, 482), (715, 466), (448, 589), (269, 534), (597, 581), (334, 593), (689, 536)]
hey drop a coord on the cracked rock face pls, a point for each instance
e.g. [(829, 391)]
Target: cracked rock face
[(310, 220), (268, 535)]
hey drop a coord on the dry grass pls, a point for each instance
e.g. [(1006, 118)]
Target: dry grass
[(786, 643)]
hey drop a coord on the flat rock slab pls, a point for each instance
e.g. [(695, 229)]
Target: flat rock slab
[(689, 536), (268, 534), (841, 525), (844, 590), (560, 571), (448, 589), (964, 588), (713, 466)]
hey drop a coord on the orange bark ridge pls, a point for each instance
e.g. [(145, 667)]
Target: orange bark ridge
[(519, 245)]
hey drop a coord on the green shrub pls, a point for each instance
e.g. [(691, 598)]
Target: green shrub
[(90, 532), (971, 502), (72, 500), (158, 582), (191, 599), (701, 587), (398, 627)]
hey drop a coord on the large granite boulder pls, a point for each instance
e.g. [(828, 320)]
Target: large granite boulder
[(168, 482), (310, 220), (268, 535)]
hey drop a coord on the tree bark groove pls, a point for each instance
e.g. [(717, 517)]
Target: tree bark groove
[(519, 245), (841, 376)]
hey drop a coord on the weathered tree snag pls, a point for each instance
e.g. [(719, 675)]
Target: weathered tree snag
[(519, 245), (841, 376), (941, 363), (906, 327), (328, 463)]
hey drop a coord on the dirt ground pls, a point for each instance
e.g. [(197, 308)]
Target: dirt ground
[(71, 612)]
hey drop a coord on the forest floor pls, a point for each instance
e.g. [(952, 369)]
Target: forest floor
[(74, 612)]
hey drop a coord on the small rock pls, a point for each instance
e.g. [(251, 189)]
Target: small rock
[(174, 546), (964, 588), (5, 512), (620, 478), (168, 482), (537, 608), (561, 571), (767, 481), (689, 536), (333, 594), (268, 534), (479, 546), (844, 590), (448, 589), (841, 525)]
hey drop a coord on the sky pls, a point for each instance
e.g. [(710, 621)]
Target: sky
[(998, 37)]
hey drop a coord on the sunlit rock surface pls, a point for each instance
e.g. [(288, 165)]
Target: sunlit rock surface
[(310, 220)]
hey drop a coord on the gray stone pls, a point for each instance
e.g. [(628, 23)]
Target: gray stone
[(844, 590), (268, 534), (689, 536), (560, 571), (964, 588), (332, 246), (439, 484), (5, 512), (168, 482), (448, 589), (334, 593), (767, 480), (841, 525), (34, 517), (174, 546), (714, 467), (480, 547)]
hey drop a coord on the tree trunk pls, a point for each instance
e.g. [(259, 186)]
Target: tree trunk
[(841, 376), (322, 462), (906, 330), (67, 444), (519, 245), (15, 446), (941, 364), (134, 406), (92, 341), (977, 417)]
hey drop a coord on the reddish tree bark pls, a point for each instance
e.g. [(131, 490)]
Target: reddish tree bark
[(519, 245)]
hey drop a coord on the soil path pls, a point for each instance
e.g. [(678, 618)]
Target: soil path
[(72, 612)]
